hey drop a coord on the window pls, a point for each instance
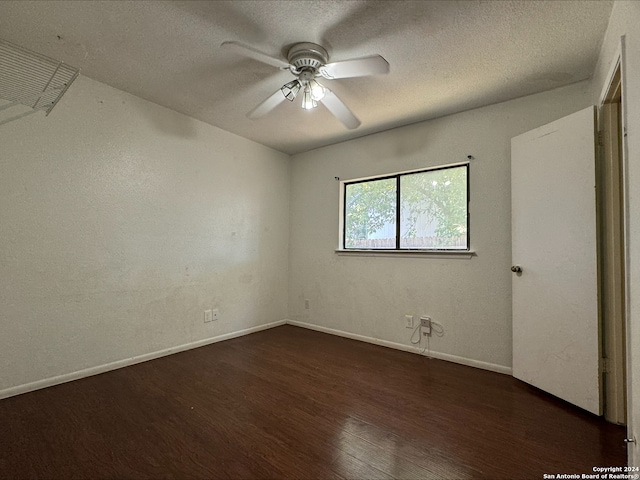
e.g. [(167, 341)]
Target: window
[(419, 210)]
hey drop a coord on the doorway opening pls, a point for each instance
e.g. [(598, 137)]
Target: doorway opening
[(611, 251)]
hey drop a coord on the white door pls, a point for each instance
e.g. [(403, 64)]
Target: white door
[(555, 296)]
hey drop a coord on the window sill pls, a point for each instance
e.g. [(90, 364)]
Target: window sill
[(464, 254)]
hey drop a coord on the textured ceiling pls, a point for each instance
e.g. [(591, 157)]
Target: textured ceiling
[(445, 56)]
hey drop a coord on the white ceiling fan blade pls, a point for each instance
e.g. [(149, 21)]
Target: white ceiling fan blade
[(269, 104), (340, 110), (251, 52), (359, 67)]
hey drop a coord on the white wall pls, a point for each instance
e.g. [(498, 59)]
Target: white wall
[(625, 20), (369, 296), (120, 223)]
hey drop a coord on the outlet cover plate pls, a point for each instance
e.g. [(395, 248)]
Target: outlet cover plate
[(408, 320)]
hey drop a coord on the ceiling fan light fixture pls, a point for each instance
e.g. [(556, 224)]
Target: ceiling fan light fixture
[(307, 61), (308, 101), (290, 90), (317, 90)]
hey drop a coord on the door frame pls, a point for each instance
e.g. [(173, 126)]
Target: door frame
[(611, 283), (617, 74)]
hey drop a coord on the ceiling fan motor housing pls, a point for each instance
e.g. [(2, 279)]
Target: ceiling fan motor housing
[(307, 55)]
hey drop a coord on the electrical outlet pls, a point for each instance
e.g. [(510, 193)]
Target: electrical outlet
[(208, 316), (408, 320), (215, 314), (306, 304)]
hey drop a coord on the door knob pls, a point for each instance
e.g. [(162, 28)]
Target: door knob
[(516, 269)]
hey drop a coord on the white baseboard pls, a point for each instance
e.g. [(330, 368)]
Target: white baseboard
[(407, 348), (87, 372)]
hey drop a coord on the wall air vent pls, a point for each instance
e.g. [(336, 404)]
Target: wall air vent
[(30, 82)]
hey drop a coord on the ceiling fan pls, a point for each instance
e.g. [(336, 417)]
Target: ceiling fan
[(308, 61)]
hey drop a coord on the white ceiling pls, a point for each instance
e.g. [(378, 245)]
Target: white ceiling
[(445, 56)]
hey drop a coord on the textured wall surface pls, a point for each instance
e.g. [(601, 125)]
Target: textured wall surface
[(369, 296), (121, 222)]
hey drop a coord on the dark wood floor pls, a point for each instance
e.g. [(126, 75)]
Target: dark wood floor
[(293, 403)]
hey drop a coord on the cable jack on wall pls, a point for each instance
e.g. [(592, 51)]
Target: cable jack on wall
[(426, 328)]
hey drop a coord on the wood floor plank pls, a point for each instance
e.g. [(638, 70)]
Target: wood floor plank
[(294, 403)]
